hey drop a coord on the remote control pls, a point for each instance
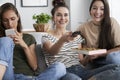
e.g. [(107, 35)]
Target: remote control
[(74, 34)]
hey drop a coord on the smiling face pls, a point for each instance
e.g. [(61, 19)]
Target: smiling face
[(97, 11), (10, 19), (61, 17)]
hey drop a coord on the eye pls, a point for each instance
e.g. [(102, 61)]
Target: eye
[(13, 18), (102, 9), (94, 8), (5, 20), (66, 14), (59, 14)]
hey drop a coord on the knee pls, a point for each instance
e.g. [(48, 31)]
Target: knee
[(6, 41), (70, 76), (60, 67), (113, 74), (113, 58)]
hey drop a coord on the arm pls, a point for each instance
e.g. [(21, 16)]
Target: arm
[(2, 71), (31, 57), (112, 50), (92, 57), (29, 50), (54, 48), (115, 34)]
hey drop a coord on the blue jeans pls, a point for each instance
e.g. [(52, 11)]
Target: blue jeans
[(113, 58), (85, 74), (70, 76), (53, 72), (110, 74), (101, 65), (6, 57)]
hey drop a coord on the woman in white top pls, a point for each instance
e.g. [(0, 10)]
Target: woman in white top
[(60, 37)]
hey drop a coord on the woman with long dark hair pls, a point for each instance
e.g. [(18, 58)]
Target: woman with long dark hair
[(102, 32)]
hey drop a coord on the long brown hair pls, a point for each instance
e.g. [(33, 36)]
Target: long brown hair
[(105, 37), (9, 6)]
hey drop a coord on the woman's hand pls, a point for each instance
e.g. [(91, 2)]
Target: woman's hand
[(95, 56), (67, 37), (88, 58), (84, 60), (17, 38)]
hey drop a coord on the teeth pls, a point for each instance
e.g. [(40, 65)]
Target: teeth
[(62, 22), (97, 16)]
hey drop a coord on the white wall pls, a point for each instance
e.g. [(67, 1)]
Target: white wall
[(79, 12), (27, 13), (114, 9)]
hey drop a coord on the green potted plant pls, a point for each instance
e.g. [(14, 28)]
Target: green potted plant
[(41, 22)]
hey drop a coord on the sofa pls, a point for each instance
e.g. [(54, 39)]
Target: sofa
[(40, 58), (39, 52)]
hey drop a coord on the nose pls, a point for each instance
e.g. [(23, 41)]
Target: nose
[(63, 17), (9, 22), (98, 11)]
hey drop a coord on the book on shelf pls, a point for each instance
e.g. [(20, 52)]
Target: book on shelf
[(89, 51)]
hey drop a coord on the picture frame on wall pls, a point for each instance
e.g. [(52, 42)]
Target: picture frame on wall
[(34, 3), (7, 1)]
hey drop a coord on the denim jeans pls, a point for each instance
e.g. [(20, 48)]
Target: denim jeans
[(6, 57), (102, 65), (70, 76), (53, 72), (85, 74), (110, 74), (113, 58)]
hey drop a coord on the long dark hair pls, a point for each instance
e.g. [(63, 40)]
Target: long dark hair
[(9, 6), (105, 37)]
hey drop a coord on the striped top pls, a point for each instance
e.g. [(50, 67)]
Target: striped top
[(65, 55)]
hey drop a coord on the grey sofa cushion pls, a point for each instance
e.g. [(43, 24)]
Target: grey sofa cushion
[(41, 59)]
